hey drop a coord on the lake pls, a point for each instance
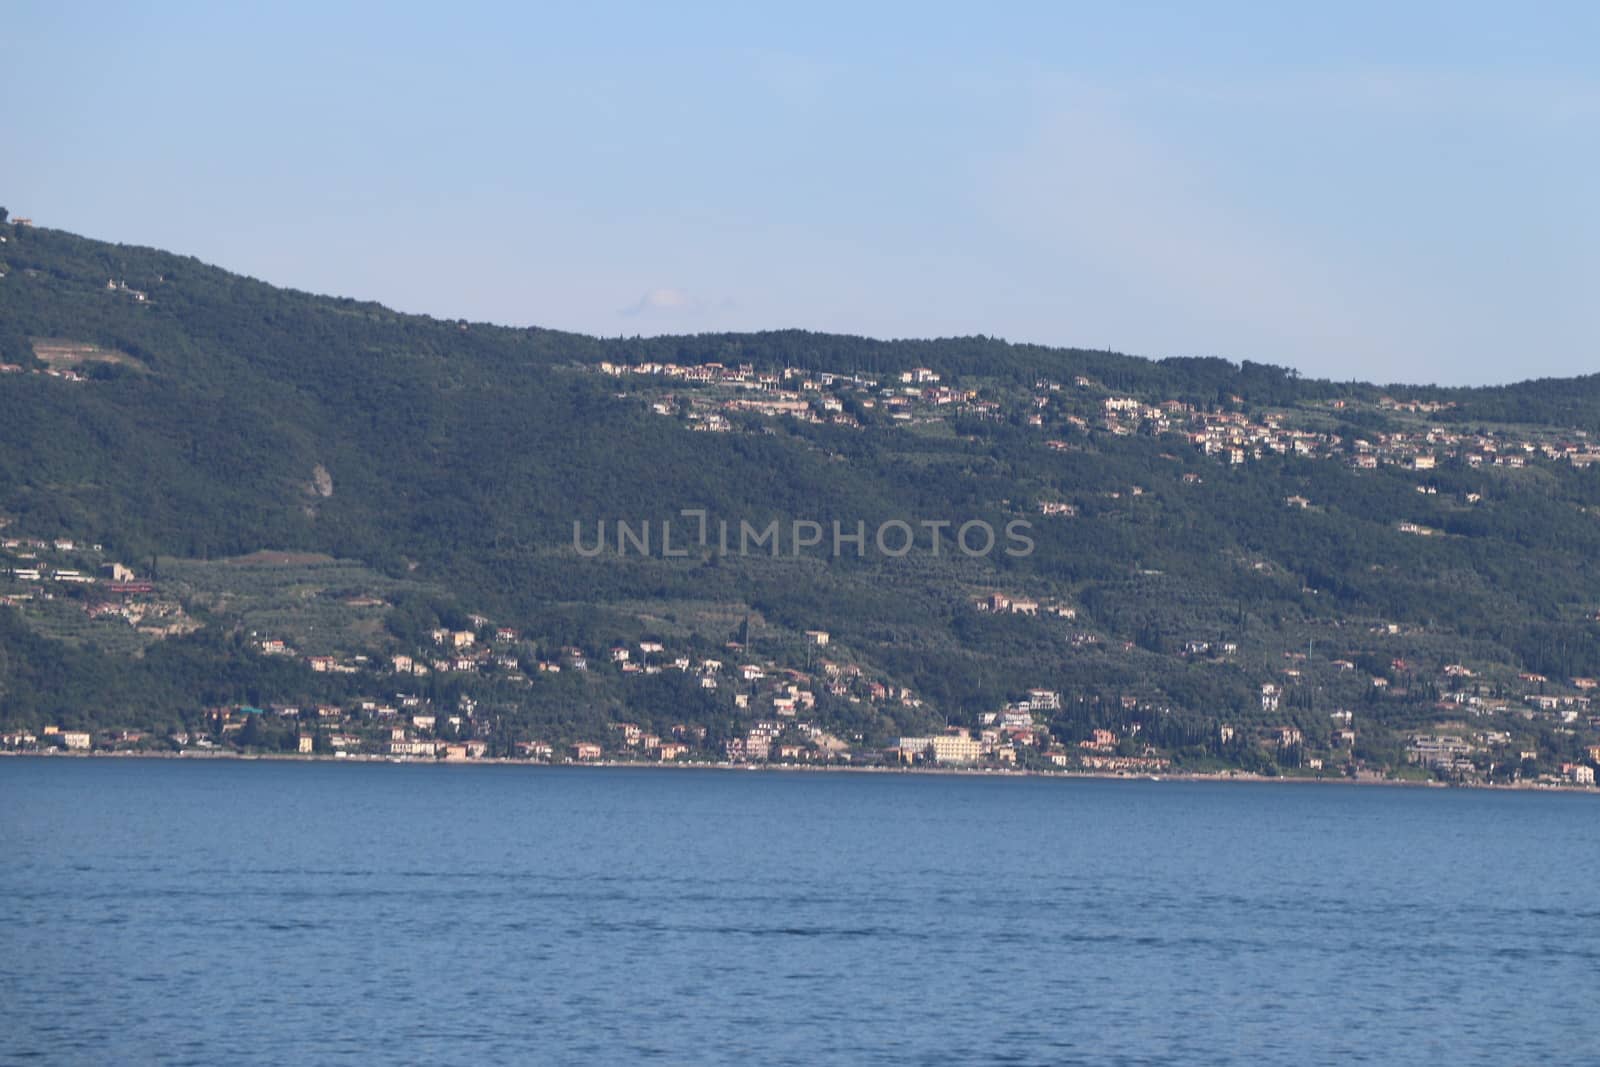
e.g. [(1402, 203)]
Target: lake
[(271, 912)]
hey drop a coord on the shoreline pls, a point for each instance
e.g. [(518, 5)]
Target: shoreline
[(1224, 778)]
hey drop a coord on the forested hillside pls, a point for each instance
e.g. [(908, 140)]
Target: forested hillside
[(1230, 565)]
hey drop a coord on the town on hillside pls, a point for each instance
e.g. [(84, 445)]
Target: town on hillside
[(710, 396), (444, 699)]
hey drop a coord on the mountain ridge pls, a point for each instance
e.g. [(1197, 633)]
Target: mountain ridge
[(138, 251)]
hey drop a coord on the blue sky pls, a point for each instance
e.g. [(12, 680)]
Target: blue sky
[(1399, 193)]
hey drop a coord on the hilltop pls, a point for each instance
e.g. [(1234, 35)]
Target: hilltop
[(243, 515)]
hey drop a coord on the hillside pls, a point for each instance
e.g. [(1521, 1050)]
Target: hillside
[(316, 503)]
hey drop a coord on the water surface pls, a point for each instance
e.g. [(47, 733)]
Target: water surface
[(247, 912)]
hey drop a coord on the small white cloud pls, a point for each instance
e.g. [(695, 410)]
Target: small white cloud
[(665, 301), (670, 303)]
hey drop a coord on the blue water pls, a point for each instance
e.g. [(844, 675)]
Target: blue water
[(226, 912)]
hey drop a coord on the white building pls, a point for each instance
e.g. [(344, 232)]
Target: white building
[(956, 748)]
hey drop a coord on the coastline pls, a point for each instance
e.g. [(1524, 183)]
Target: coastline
[(794, 768)]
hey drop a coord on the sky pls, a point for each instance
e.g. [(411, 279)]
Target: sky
[(1388, 192)]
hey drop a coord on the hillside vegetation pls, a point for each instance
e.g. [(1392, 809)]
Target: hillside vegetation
[(1421, 557)]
